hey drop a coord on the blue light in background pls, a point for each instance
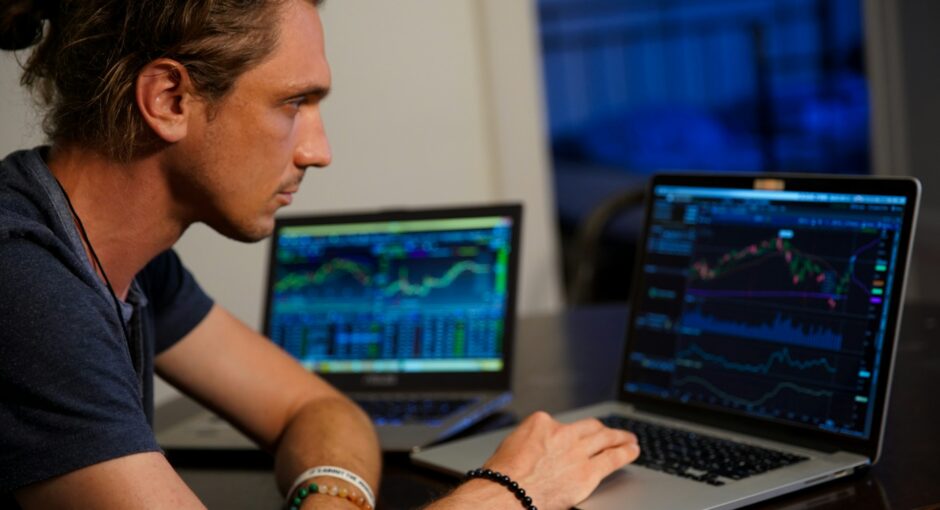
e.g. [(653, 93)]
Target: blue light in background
[(723, 85)]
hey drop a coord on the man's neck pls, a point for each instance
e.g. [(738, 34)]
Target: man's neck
[(125, 208)]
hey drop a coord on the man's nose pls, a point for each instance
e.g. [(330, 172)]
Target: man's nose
[(313, 147)]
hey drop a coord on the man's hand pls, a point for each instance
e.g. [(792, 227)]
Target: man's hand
[(558, 465)]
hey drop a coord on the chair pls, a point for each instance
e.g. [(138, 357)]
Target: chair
[(589, 240)]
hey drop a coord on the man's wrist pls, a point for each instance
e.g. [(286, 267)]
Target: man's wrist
[(505, 481), (362, 490), (325, 501), (496, 496), (330, 493)]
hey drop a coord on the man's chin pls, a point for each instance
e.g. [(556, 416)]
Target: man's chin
[(246, 233)]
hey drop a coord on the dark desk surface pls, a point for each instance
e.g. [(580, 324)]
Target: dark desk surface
[(573, 359)]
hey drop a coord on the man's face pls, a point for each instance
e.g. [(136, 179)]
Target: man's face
[(246, 156)]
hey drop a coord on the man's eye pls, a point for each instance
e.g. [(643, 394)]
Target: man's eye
[(296, 103)]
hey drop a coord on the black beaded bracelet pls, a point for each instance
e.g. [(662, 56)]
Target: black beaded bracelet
[(505, 481)]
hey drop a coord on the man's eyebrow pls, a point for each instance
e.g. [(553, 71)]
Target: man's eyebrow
[(314, 91)]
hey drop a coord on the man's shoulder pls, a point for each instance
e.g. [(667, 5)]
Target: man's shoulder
[(18, 172), (32, 233), (36, 279), (25, 207)]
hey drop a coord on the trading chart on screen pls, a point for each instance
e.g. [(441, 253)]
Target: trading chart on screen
[(405, 296), (772, 304)]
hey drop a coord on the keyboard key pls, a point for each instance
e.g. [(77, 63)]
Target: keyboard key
[(699, 457)]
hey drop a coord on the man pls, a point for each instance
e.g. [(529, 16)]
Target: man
[(161, 115)]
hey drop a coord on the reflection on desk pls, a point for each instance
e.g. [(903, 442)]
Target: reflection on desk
[(573, 359)]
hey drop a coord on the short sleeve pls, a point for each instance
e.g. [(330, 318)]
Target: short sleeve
[(179, 303), (70, 395)]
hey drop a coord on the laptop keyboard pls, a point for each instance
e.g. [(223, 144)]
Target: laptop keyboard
[(696, 456), (412, 410)]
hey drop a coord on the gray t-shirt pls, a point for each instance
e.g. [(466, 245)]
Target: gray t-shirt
[(73, 390)]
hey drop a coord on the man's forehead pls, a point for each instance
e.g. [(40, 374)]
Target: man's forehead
[(298, 61)]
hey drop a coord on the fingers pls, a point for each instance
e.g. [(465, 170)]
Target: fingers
[(609, 450), (605, 449), (606, 438), (612, 459)]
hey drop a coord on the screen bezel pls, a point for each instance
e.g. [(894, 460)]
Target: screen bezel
[(417, 381), (725, 418)]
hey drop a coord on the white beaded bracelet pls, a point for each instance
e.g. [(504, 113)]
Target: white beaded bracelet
[(335, 472)]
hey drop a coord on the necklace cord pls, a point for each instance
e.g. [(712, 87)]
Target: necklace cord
[(107, 282)]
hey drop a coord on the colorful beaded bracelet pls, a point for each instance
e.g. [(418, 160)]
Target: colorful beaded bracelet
[(338, 473), (329, 490), (505, 481)]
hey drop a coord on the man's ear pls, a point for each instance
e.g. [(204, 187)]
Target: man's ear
[(166, 98)]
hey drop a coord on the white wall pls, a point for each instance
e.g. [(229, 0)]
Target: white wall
[(433, 103), (19, 123)]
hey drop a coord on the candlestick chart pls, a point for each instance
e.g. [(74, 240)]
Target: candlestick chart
[(769, 307), (789, 287)]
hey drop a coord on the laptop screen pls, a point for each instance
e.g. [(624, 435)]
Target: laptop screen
[(394, 294), (769, 303)]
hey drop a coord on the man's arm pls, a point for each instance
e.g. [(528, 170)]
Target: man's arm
[(273, 399), (142, 480)]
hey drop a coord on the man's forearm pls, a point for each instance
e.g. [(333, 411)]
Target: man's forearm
[(331, 431)]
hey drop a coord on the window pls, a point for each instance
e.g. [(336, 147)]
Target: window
[(639, 86)]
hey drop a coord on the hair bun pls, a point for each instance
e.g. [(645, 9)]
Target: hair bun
[(21, 24)]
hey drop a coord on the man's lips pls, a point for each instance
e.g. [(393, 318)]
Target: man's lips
[(287, 195)]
